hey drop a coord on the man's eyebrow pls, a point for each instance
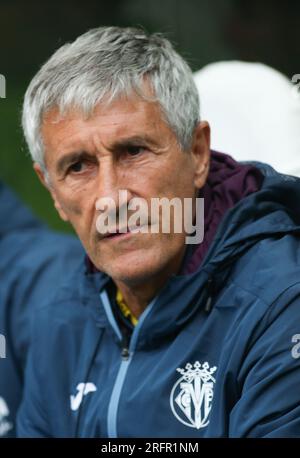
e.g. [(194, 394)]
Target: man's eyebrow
[(136, 140), (70, 158)]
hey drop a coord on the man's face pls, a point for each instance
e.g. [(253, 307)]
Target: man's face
[(123, 146)]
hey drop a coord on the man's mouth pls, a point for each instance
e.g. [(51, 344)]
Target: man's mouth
[(117, 233), (120, 233)]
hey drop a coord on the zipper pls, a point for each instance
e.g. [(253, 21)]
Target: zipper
[(127, 353), (125, 348)]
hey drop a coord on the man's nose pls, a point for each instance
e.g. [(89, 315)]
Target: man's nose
[(108, 182), (112, 192)]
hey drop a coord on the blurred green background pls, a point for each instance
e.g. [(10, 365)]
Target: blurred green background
[(203, 31)]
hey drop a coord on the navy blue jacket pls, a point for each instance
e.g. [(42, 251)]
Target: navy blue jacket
[(216, 353), (33, 261)]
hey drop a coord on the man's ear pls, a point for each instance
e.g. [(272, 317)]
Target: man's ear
[(201, 153), (41, 174)]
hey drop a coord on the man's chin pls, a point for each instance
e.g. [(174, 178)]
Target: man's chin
[(132, 270), (132, 276), (137, 263)]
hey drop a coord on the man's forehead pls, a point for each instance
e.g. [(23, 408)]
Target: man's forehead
[(118, 115), (119, 121), (142, 103)]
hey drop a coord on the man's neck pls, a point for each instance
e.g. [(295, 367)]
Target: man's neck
[(138, 296)]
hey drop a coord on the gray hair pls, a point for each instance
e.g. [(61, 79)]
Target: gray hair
[(111, 62)]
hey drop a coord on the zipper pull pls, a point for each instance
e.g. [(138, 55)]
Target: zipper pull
[(125, 354), (125, 344)]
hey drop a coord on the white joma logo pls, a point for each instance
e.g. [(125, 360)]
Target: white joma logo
[(83, 389)]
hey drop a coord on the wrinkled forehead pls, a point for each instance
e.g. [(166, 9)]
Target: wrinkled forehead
[(109, 122)]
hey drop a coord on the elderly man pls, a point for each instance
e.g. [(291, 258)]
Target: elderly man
[(152, 336)]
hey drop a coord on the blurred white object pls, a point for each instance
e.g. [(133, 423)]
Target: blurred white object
[(254, 113)]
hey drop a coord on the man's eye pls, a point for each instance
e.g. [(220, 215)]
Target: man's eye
[(135, 150), (76, 167)]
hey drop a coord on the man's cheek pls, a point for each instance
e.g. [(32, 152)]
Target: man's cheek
[(71, 208), (75, 210)]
